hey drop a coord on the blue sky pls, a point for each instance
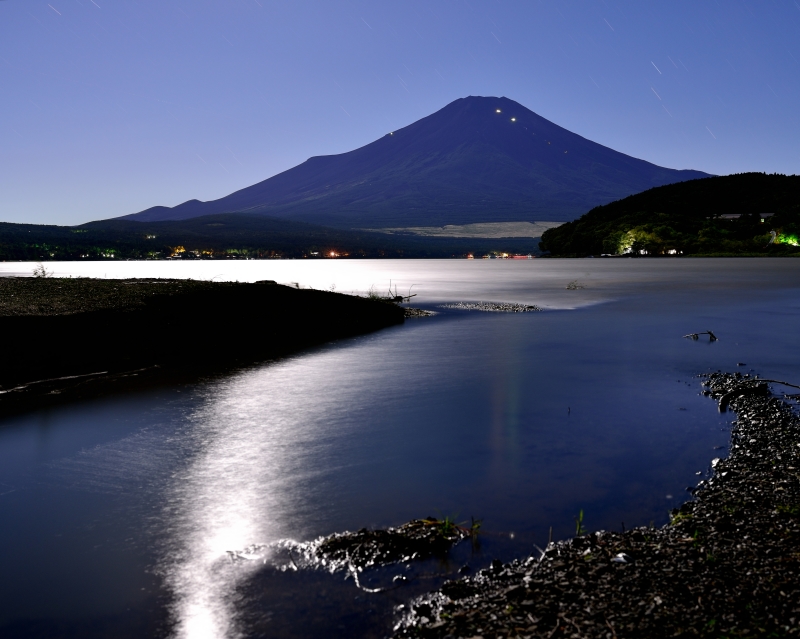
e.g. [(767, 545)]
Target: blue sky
[(108, 107)]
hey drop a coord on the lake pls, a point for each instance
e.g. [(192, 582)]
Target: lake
[(117, 515)]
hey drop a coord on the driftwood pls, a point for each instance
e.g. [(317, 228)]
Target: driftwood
[(399, 299), (755, 386), (775, 381), (711, 336)]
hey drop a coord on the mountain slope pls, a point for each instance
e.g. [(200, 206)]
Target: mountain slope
[(479, 159)]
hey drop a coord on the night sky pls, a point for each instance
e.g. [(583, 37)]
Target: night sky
[(108, 107)]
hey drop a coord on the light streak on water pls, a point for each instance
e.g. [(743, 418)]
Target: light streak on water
[(258, 442)]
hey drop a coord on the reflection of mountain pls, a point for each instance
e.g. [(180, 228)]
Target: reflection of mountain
[(479, 159)]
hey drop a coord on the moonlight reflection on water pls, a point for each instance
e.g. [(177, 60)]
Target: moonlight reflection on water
[(260, 442)]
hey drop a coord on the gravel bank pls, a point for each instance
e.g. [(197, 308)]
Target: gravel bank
[(728, 564), (411, 311), (40, 297), (492, 307)]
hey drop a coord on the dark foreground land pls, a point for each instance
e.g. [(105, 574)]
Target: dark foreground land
[(66, 338), (728, 564)]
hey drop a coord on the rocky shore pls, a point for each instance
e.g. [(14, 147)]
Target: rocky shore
[(727, 565), (76, 337)]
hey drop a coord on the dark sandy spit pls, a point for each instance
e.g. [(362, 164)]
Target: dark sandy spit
[(727, 565), (72, 338)]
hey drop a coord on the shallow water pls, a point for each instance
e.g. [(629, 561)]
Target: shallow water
[(116, 515)]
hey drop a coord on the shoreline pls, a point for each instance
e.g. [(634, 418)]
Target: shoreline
[(77, 338), (725, 566)]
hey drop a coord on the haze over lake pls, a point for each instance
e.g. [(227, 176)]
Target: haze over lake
[(117, 514)]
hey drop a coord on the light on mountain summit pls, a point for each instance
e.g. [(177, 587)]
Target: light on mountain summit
[(513, 119), (499, 111)]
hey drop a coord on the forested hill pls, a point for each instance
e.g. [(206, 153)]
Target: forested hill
[(230, 236), (715, 215)]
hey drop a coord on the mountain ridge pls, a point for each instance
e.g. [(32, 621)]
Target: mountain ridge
[(478, 159)]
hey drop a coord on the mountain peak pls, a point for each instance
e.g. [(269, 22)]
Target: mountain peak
[(478, 159)]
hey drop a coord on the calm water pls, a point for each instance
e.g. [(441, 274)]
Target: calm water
[(116, 515)]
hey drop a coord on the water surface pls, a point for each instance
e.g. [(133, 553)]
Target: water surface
[(117, 514)]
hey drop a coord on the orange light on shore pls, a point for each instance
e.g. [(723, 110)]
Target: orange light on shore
[(333, 254)]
